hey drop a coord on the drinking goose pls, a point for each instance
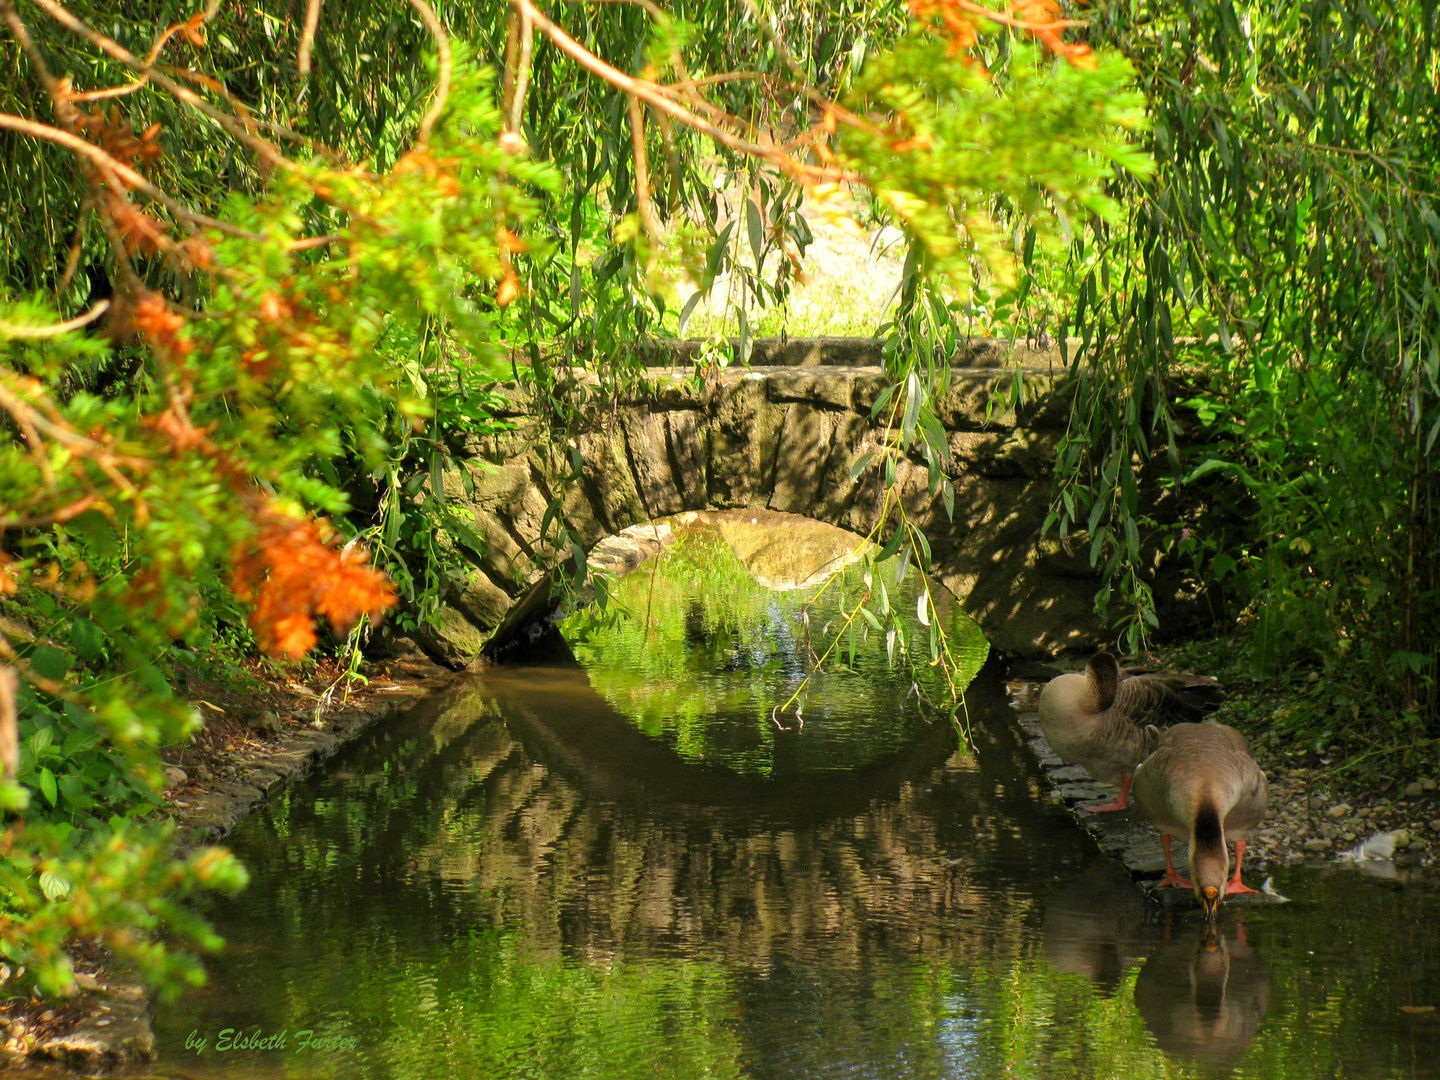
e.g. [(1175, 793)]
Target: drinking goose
[(1106, 718), (1202, 785)]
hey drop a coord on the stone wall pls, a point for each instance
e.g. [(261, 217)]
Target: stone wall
[(784, 435)]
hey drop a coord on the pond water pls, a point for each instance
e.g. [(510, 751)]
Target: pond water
[(628, 867)]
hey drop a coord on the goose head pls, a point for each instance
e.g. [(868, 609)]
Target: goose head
[(1209, 872), (1075, 694)]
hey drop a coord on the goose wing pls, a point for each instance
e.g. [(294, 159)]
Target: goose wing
[(1165, 699)]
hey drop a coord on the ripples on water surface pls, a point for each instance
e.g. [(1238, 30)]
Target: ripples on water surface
[(629, 871)]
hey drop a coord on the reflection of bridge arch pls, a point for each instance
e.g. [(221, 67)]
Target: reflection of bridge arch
[(785, 438), (616, 855)]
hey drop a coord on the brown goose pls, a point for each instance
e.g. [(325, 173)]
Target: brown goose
[(1202, 785), (1105, 719)]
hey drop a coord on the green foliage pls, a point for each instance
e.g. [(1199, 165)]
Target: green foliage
[(1043, 148), (1292, 222), (310, 308), (121, 883), (318, 373)]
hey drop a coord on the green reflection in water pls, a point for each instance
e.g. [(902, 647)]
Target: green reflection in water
[(698, 653), (525, 878), (467, 895)]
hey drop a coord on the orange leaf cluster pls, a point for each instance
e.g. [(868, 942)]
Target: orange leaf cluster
[(1046, 25), (162, 327), (193, 29), (181, 434), (139, 232), (960, 25), (118, 140), (295, 575), (1041, 19), (8, 584)]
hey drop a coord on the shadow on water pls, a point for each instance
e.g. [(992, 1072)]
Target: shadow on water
[(1099, 925), (520, 879)]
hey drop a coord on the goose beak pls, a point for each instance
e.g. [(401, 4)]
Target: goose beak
[(1210, 900)]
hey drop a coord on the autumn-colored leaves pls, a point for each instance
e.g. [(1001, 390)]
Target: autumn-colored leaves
[(292, 572), (962, 21), (295, 575), (291, 567)]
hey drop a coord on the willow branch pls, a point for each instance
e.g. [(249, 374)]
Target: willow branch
[(1013, 23), (314, 242), (642, 88), (114, 49), (526, 47), (21, 33), (217, 87), (442, 83), (307, 37), (109, 91), (57, 517), (642, 169), (27, 414), (677, 61), (118, 173), (14, 330)]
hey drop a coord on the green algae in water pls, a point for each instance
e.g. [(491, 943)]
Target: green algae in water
[(696, 652)]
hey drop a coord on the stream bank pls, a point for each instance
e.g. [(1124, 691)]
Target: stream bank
[(254, 747), (1311, 820)]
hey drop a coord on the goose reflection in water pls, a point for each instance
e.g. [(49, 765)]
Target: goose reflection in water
[(1099, 925), (1203, 997)]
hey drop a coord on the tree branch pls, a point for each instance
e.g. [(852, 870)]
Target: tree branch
[(118, 173), (15, 330), (442, 83)]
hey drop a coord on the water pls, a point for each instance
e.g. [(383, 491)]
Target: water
[(520, 879)]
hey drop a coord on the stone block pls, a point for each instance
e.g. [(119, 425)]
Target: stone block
[(1003, 455), (742, 432), (821, 388), (648, 447), (976, 401), (451, 638), (609, 480), (687, 443), (267, 781), (817, 352), (836, 491), (667, 390), (1047, 402), (480, 600), (484, 485), (801, 455), (505, 561), (865, 390)]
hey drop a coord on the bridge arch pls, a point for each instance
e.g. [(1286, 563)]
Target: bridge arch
[(783, 435)]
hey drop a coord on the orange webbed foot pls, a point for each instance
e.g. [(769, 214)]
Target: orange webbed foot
[(1116, 805)]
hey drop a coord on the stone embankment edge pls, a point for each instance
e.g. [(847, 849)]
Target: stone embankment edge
[(207, 816), (116, 1031), (1121, 835)]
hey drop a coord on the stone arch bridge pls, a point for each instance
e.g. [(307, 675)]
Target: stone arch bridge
[(783, 435)]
